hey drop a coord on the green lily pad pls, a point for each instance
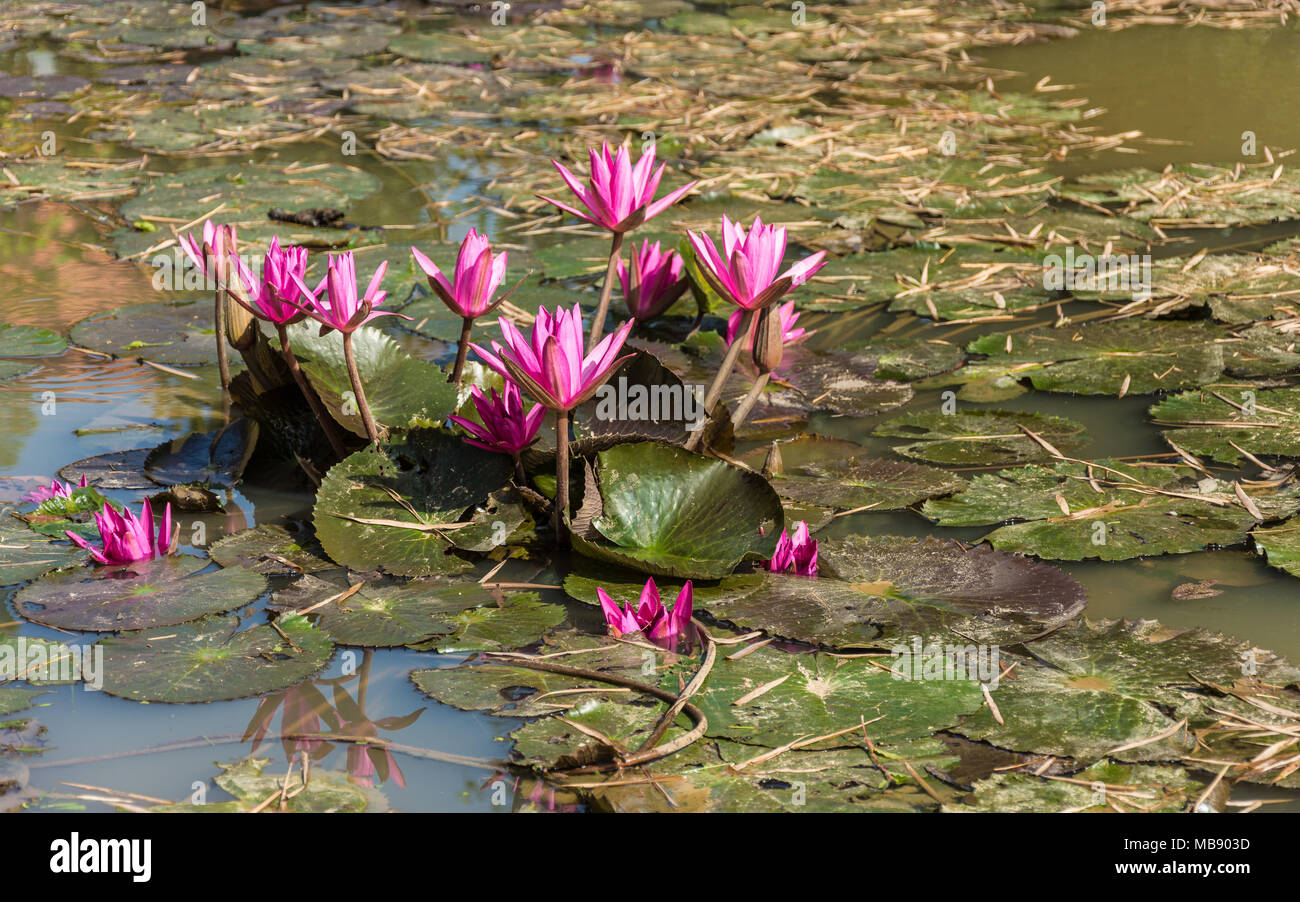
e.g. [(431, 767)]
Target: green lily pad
[(211, 660), (25, 553), (29, 341), (1097, 358), (821, 694), (1280, 545), (879, 484), (663, 510), (1126, 519), (402, 392), (1100, 687), (177, 334), (136, 596), (504, 690), (14, 699), (383, 613), (909, 358), (270, 550), (518, 620), (326, 792), (1129, 787), (980, 437), (362, 526), (699, 779), (1211, 426)]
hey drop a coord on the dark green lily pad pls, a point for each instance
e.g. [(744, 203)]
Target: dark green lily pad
[(211, 660), (214, 458), (402, 391), (270, 550), (980, 437), (117, 470), (1125, 520), (1211, 426), (137, 596), (663, 510), (177, 334), (910, 358), (877, 592), (1116, 683), (657, 406), (837, 383), (879, 484), (362, 526)]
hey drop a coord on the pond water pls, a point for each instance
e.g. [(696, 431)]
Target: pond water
[(1194, 90)]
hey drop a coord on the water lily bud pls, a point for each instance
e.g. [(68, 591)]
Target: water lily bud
[(769, 343), (241, 326)]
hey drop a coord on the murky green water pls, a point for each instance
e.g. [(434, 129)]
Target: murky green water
[(1197, 87)]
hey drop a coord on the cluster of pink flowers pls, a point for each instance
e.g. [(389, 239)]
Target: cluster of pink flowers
[(55, 489)]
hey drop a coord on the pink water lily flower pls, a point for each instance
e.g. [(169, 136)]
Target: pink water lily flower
[(745, 273), (275, 297), (618, 196), (213, 256), (665, 628), (124, 538), (505, 428), (797, 554), (335, 303), (654, 281), (550, 365), (789, 333), (55, 489), (477, 277)]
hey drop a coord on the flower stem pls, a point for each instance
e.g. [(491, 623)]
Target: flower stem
[(728, 364), (521, 478), (219, 322), (462, 350), (358, 391), (751, 398), (561, 472), (598, 323), (313, 400)]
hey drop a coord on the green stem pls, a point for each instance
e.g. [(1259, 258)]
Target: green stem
[(561, 472), (598, 323), (747, 405), (724, 371), (219, 321), (358, 391)]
